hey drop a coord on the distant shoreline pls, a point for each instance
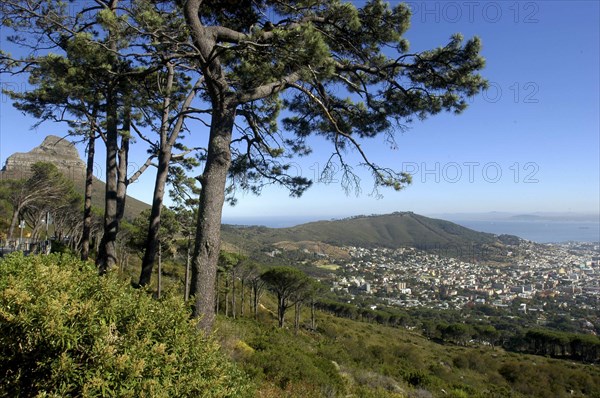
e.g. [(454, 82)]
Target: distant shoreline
[(536, 229), (541, 231)]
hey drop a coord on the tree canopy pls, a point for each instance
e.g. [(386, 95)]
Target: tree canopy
[(287, 283)]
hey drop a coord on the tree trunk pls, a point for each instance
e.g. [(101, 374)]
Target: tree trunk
[(13, 224), (233, 294), (255, 301), (313, 323), (186, 288), (297, 308), (242, 298), (107, 252), (217, 296), (281, 311), (87, 209), (122, 181), (226, 295), (256, 293), (164, 158), (159, 290), (208, 232)]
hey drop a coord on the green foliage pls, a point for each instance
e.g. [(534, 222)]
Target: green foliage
[(288, 284), (65, 331), (169, 228), (372, 360), (290, 363), (548, 380), (283, 362), (555, 343)]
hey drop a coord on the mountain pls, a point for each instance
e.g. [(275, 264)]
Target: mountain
[(56, 150), (400, 229), (65, 156)]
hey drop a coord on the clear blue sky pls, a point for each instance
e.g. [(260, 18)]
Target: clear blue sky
[(531, 143)]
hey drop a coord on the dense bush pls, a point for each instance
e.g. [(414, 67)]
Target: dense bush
[(283, 359), (548, 380), (65, 331)]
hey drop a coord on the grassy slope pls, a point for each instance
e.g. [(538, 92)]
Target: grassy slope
[(370, 360)]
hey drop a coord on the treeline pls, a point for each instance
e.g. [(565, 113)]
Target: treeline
[(239, 278), (576, 346), (560, 344), (351, 311)]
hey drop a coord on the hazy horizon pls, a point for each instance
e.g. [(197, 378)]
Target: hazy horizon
[(287, 221)]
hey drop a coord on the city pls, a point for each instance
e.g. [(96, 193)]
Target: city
[(534, 276)]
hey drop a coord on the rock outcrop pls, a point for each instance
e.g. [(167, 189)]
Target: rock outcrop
[(65, 156), (53, 149)]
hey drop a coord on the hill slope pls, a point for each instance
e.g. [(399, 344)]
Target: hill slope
[(400, 229)]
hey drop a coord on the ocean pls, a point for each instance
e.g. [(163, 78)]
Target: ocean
[(540, 231)]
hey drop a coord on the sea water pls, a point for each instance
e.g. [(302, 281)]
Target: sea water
[(540, 231)]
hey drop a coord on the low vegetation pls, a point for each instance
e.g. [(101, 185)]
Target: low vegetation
[(65, 331), (345, 357)]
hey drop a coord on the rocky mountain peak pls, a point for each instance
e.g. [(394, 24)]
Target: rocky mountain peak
[(53, 149)]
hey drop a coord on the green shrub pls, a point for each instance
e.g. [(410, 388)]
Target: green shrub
[(417, 378), (65, 331), (282, 359)]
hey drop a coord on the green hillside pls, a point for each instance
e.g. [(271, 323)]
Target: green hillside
[(360, 359), (394, 230)]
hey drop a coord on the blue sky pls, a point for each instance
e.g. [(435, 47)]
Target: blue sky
[(529, 144)]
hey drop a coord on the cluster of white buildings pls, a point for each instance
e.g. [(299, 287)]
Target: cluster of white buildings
[(409, 277)]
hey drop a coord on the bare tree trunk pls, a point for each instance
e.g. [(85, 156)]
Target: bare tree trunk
[(281, 311), (122, 181), (217, 295), (159, 270), (242, 297), (13, 223), (87, 209), (107, 252), (226, 295), (186, 288), (208, 232), (297, 308), (233, 293), (256, 292), (255, 302), (164, 158), (97, 243)]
